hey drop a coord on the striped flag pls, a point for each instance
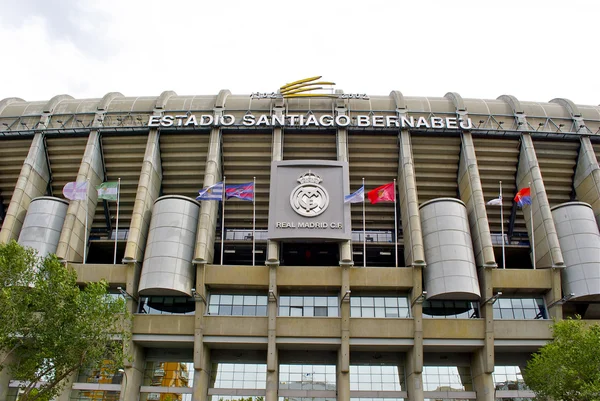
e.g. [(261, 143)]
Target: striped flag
[(75, 190), (356, 197), (108, 190), (523, 197), (214, 192)]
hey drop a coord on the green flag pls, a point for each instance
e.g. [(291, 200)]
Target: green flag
[(108, 190)]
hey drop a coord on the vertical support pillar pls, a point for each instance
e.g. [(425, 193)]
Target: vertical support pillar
[(554, 295), (414, 356), (483, 381), (201, 366), (66, 393), (134, 372), (414, 253), (471, 193), (343, 365), (587, 177), (342, 156), (147, 192), (32, 182), (209, 210), (73, 236), (4, 376), (272, 353), (547, 247), (276, 155)]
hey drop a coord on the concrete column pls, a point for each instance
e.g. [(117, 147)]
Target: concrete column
[(414, 356), (547, 248), (5, 376), (73, 236), (201, 373), (414, 253), (471, 193), (483, 382), (276, 155), (201, 352), (554, 295), (342, 155), (66, 393), (587, 177), (147, 192), (134, 372), (272, 353), (343, 365), (32, 182), (209, 210)]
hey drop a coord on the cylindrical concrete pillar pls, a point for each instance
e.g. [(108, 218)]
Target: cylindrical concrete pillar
[(43, 224), (167, 268), (580, 244), (450, 271)]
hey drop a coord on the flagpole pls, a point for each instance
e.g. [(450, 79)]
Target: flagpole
[(364, 227), (532, 226), (223, 220), (502, 225), (395, 225), (85, 237), (253, 221), (117, 222)]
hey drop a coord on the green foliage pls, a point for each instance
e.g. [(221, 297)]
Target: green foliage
[(568, 368), (50, 327)]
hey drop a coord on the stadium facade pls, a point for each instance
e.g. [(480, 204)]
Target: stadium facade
[(299, 295)]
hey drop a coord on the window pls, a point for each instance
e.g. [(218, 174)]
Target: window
[(103, 374), (237, 305), (450, 309), (520, 308), (508, 378), (447, 378), (376, 378), (167, 305), (96, 395), (307, 377), (169, 374), (239, 375), (298, 305), (364, 306)]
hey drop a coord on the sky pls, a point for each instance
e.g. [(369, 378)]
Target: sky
[(532, 49)]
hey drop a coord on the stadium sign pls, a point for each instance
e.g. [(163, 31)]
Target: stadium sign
[(310, 120)]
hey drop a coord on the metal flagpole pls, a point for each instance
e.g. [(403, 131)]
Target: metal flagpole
[(502, 225), (364, 228), (532, 226), (223, 220), (253, 221), (117, 222), (395, 225), (85, 237)]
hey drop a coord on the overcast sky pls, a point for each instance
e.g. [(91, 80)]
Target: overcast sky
[(536, 50)]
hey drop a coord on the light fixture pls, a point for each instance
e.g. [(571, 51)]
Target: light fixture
[(420, 298), (346, 295), (197, 296), (493, 299), (562, 301), (125, 294)]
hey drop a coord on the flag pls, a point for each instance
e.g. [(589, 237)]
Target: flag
[(241, 191), (108, 190), (495, 202), (384, 193), (523, 197), (214, 192), (75, 190), (356, 197)]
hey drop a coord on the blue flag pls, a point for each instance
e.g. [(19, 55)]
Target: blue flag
[(214, 192), (356, 197)]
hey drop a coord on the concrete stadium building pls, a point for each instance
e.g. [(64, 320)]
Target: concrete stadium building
[(289, 297)]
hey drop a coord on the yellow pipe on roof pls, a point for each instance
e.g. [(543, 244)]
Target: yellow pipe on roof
[(300, 81), (291, 88)]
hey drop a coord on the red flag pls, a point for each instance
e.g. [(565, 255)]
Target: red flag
[(523, 197), (384, 193)]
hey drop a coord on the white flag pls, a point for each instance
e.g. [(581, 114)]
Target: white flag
[(495, 202), (75, 190)]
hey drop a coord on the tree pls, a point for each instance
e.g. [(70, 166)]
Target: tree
[(567, 368), (50, 327)]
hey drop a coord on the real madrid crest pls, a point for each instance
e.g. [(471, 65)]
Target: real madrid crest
[(309, 199)]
